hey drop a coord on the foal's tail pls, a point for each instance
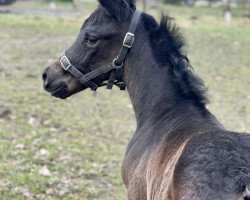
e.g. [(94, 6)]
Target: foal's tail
[(246, 194), (246, 187)]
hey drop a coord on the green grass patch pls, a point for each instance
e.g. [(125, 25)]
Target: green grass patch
[(82, 141)]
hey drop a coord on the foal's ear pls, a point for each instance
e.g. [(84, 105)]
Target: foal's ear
[(118, 8), (131, 3)]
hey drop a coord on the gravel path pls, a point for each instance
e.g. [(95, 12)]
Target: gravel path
[(41, 12)]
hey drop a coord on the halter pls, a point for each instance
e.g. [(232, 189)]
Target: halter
[(116, 67)]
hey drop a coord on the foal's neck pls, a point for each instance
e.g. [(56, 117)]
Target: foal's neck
[(152, 92), (149, 86)]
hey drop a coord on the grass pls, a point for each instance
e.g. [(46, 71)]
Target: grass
[(34, 4), (81, 141)]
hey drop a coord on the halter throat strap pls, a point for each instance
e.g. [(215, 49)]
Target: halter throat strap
[(116, 67)]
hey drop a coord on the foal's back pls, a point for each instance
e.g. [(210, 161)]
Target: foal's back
[(213, 166), (196, 159)]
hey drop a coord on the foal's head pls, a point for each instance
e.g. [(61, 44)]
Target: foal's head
[(97, 44)]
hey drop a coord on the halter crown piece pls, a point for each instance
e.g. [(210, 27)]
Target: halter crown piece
[(116, 67)]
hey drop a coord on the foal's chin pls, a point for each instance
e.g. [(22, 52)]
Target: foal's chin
[(60, 95), (63, 97), (64, 94)]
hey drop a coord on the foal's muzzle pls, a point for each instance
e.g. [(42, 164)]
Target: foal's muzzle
[(52, 84)]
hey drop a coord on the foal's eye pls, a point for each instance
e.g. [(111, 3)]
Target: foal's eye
[(91, 40)]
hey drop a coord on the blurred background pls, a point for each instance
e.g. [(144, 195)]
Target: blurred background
[(54, 149)]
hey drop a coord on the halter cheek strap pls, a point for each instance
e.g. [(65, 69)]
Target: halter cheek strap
[(116, 67)]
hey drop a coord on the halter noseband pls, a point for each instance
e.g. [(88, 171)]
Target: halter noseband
[(116, 67)]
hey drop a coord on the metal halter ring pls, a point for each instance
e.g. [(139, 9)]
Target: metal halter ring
[(117, 66)]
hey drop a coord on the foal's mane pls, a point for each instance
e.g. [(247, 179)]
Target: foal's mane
[(168, 48)]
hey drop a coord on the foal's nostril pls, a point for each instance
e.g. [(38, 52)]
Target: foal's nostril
[(44, 76), (45, 80)]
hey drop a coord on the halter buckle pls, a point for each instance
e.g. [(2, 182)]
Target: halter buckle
[(65, 63), (129, 40)]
